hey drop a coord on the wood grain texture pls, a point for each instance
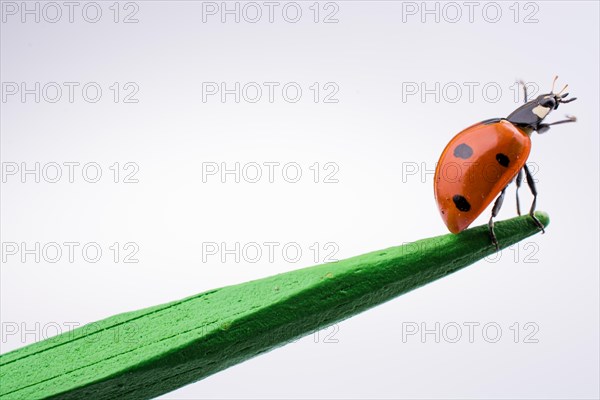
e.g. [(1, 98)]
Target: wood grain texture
[(145, 353)]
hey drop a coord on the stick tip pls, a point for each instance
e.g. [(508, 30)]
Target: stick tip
[(543, 217)]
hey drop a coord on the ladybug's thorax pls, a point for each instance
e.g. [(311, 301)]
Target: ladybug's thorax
[(532, 113)]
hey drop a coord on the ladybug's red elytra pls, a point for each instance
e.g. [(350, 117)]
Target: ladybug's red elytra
[(481, 161)]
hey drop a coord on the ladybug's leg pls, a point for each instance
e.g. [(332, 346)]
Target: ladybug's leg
[(518, 182), (531, 184), (495, 210), (542, 128), (524, 90)]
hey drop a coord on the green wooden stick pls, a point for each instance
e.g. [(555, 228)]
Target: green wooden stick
[(149, 352)]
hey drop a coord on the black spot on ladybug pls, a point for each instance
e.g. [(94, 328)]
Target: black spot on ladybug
[(502, 159), (461, 203), (463, 151)]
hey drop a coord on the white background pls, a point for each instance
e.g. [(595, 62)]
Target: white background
[(374, 134)]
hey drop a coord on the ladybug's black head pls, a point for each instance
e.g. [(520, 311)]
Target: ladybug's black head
[(531, 114)]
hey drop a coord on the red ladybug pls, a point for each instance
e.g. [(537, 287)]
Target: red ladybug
[(482, 160)]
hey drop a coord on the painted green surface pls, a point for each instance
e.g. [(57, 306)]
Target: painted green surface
[(145, 353)]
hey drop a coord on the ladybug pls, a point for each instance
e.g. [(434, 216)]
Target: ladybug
[(481, 161)]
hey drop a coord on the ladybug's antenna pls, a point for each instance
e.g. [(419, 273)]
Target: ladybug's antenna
[(553, 83), (562, 90)]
